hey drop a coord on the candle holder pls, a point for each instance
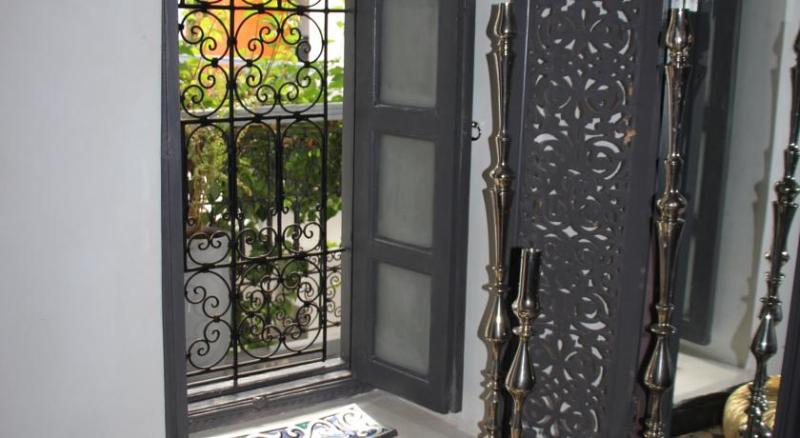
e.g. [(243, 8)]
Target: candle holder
[(765, 341), (671, 206), (521, 377), (495, 326)]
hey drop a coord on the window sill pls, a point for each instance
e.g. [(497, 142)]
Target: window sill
[(271, 400)]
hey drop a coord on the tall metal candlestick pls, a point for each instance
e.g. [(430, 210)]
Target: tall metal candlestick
[(671, 205), (521, 377), (495, 325), (765, 341)]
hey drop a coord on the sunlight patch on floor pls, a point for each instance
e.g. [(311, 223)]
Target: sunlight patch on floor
[(341, 422), (388, 410)]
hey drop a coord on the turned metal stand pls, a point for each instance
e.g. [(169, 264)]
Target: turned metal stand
[(495, 326), (765, 341), (521, 377), (671, 205)]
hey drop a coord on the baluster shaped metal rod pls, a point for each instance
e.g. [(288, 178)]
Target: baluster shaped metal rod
[(495, 326), (521, 378), (765, 340), (659, 375)]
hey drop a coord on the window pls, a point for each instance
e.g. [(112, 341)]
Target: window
[(320, 180), (261, 126)]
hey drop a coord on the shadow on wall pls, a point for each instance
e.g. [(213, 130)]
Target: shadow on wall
[(761, 212)]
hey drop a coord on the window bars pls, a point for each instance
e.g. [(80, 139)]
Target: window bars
[(261, 156)]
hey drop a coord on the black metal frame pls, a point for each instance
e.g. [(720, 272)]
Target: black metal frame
[(175, 399)]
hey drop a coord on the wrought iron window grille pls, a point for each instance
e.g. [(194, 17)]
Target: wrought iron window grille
[(261, 140)]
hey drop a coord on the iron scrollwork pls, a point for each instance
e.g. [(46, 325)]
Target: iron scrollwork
[(495, 326), (583, 125), (765, 340), (261, 281), (671, 205)]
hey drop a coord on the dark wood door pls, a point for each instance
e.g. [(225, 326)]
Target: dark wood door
[(410, 187)]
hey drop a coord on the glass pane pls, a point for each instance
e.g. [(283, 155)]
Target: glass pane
[(402, 327), (409, 52), (405, 190)]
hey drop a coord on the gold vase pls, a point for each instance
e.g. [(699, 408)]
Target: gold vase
[(735, 417)]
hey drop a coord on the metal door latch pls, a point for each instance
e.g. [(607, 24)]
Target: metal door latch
[(476, 131)]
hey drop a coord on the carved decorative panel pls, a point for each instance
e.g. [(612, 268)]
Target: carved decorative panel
[(582, 201)]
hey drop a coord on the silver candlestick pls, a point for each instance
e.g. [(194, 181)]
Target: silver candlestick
[(671, 205), (521, 377), (495, 325)]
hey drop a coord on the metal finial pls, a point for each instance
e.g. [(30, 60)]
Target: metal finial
[(521, 378), (794, 136), (526, 306), (679, 37), (502, 22)]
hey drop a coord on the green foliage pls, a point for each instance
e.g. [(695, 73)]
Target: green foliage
[(261, 83), (282, 76)]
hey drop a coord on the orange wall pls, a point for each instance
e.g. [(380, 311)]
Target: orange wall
[(248, 26)]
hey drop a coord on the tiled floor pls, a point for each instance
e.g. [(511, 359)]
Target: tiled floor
[(407, 418)]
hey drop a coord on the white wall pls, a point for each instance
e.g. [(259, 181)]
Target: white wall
[(80, 323), (760, 131), (478, 248), (80, 318)]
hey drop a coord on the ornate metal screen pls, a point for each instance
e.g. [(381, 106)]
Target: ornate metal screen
[(586, 176), (261, 138)]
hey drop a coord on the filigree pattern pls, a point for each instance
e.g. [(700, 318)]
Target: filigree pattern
[(346, 421), (576, 146), (261, 279)]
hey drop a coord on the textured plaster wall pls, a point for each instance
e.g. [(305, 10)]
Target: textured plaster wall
[(80, 319)]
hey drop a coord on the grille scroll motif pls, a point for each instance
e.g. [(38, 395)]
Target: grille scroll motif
[(576, 152), (260, 280)]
